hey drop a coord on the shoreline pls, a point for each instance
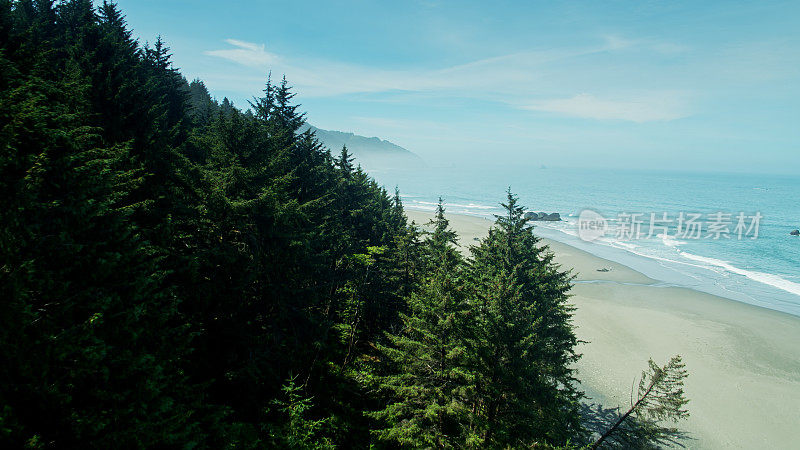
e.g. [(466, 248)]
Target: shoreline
[(724, 271), (743, 361)]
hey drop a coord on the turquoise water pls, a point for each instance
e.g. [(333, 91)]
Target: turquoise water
[(764, 271)]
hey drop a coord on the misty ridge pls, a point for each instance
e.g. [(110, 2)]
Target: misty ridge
[(370, 152)]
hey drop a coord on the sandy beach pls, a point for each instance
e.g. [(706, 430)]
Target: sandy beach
[(743, 360)]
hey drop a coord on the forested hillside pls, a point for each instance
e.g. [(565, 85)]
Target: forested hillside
[(370, 152), (175, 272)]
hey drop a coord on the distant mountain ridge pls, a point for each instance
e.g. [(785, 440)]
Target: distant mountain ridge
[(370, 152)]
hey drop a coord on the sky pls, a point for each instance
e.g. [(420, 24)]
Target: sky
[(675, 85)]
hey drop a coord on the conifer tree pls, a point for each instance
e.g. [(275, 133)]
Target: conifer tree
[(431, 378), (286, 112), (345, 162), (659, 398), (203, 107), (525, 341), (91, 338)]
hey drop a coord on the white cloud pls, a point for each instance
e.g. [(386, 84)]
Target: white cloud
[(316, 78), (246, 45), (505, 79), (246, 54), (658, 107), (618, 43), (319, 77)]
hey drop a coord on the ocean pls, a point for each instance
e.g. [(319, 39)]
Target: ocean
[(724, 234)]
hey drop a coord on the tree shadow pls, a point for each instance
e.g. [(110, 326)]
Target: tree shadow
[(634, 433)]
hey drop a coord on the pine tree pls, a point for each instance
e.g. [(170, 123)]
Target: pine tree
[(203, 107), (345, 162), (525, 345), (286, 112), (430, 379), (92, 337), (659, 398)]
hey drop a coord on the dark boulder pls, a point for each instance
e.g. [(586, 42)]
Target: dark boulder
[(795, 233), (543, 216)]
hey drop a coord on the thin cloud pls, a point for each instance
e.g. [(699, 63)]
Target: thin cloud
[(246, 54), (654, 108), (618, 43), (503, 79), (319, 77), (246, 45)]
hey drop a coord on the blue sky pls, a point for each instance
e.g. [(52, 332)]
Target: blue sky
[(698, 85)]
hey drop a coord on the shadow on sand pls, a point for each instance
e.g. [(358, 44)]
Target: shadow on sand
[(632, 434)]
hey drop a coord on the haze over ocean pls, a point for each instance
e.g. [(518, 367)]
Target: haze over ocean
[(764, 271)]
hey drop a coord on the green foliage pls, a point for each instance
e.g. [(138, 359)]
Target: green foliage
[(82, 292), (525, 341), (298, 431), (660, 398), (661, 391), (176, 272), (430, 381)]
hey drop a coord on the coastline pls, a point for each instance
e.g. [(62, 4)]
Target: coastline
[(743, 361)]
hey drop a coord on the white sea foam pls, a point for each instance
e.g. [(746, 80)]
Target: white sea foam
[(715, 265), (457, 205), (669, 241), (765, 278), (623, 245), (699, 262), (421, 206)]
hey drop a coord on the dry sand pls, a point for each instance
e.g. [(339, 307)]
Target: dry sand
[(743, 360)]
